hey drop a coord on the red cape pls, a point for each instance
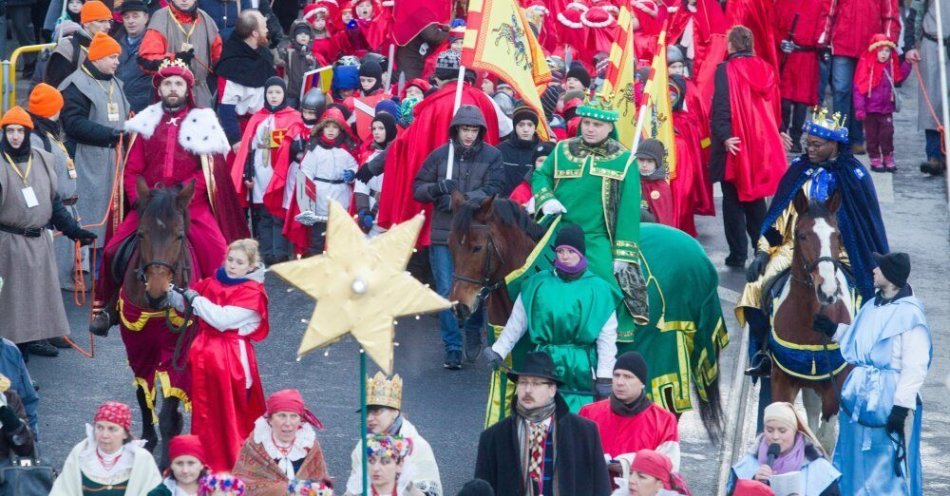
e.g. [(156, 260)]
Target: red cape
[(709, 33), (759, 18), (800, 70), (691, 188), (430, 130), (756, 114), (620, 435)]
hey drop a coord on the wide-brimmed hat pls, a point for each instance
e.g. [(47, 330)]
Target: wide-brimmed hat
[(536, 364)]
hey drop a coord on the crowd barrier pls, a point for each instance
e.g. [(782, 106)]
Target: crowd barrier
[(8, 78)]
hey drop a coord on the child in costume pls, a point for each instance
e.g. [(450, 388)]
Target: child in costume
[(298, 59), (366, 193), (655, 197), (522, 192), (875, 99), (182, 478)]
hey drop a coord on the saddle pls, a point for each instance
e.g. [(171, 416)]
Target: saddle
[(123, 255)]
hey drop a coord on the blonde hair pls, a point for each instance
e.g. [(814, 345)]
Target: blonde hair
[(249, 246)]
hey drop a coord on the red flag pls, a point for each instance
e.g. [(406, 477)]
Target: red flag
[(410, 18), (310, 189)]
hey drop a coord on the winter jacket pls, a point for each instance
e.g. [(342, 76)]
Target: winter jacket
[(136, 83), (478, 171), (225, 14), (881, 99), (517, 155), (854, 22), (77, 125)]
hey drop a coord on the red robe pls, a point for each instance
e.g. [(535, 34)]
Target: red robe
[(709, 33), (620, 435), (758, 17), (429, 130), (223, 414), (657, 197), (756, 114), (691, 188), (800, 68)]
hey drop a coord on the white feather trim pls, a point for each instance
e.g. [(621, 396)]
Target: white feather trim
[(201, 133), (569, 23), (606, 22), (144, 122), (576, 6)]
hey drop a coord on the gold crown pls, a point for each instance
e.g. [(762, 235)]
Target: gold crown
[(173, 62), (384, 392), (836, 122)]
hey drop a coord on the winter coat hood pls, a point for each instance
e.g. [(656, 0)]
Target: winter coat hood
[(468, 115)]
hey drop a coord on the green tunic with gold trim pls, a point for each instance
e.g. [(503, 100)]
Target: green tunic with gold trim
[(578, 175)]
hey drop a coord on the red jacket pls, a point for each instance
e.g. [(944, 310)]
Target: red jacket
[(854, 22)]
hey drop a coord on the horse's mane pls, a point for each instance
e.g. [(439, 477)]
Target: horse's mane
[(819, 210), (161, 203), (507, 212)]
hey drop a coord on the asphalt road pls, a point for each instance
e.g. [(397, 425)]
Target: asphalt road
[(448, 407)]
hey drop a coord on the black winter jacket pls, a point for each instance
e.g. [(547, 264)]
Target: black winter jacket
[(517, 155), (79, 128)]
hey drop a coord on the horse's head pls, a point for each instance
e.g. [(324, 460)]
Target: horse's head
[(477, 246), (817, 246), (162, 230)]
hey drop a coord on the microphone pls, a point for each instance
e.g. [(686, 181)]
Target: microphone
[(774, 450)]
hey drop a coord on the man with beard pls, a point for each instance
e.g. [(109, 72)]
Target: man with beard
[(184, 32), (542, 448), (32, 308), (173, 142)]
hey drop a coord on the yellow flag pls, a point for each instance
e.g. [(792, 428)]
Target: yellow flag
[(619, 83), (658, 122), (499, 39)]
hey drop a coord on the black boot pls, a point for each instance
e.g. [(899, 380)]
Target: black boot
[(42, 348), (60, 342), (760, 365), (933, 167), (102, 321)]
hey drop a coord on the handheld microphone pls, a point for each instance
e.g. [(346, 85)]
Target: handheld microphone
[(774, 451)]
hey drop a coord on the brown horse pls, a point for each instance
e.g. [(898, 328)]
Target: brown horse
[(816, 285), (161, 257)]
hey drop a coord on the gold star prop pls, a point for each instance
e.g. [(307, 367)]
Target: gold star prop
[(361, 286)]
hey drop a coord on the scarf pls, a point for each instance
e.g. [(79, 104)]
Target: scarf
[(244, 65), (536, 415), (571, 272), (20, 154), (788, 462), (224, 278), (629, 409), (535, 435)]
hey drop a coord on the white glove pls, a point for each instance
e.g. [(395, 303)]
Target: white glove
[(307, 218), (619, 266), (553, 207), (527, 206)]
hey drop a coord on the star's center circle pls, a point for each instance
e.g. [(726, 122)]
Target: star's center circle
[(359, 286)]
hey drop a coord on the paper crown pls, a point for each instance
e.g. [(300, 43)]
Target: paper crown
[(830, 128), (385, 446), (599, 108), (384, 392)]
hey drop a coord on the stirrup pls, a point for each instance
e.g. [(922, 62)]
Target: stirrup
[(761, 365)]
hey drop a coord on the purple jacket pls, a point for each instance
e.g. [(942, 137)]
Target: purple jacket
[(881, 100)]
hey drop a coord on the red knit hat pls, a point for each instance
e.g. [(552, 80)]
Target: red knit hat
[(17, 116), (102, 46), (289, 400), (113, 411), (186, 445), (94, 10)]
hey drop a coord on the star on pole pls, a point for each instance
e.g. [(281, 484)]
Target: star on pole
[(361, 286)]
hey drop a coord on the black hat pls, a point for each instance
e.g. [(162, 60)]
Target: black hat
[(524, 113), (275, 81), (895, 267), (571, 235), (371, 68), (132, 6), (579, 73), (447, 65), (477, 487), (536, 364), (633, 362), (652, 149)]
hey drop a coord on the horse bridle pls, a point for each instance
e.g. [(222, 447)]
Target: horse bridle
[(809, 267), (486, 286)]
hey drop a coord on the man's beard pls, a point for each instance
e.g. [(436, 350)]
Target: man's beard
[(173, 105)]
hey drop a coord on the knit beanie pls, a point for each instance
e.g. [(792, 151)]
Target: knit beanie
[(578, 72), (372, 69), (571, 235), (94, 10), (894, 266), (549, 100), (477, 487), (388, 106), (633, 362), (447, 65), (186, 445), (346, 77), (524, 113), (389, 123), (651, 149), (103, 46), (45, 101), (17, 116), (275, 81)]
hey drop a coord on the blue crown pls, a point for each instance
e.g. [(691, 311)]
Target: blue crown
[(822, 126)]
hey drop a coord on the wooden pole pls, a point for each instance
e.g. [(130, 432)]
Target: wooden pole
[(363, 428), (458, 103), (942, 68)]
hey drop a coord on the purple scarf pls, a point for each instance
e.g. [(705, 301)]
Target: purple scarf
[(571, 270), (788, 462)]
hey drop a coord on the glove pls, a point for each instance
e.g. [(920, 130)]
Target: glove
[(529, 207), (788, 46), (297, 147), (444, 203), (447, 186), (494, 359), (365, 220), (772, 236), (116, 134), (821, 323), (186, 56), (603, 387), (757, 267), (552, 207), (896, 420), (83, 236), (364, 174), (348, 176), (307, 218), (619, 266)]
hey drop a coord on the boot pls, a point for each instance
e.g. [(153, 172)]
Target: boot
[(60, 342), (889, 164), (103, 320), (933, 167), (877, 165), (42, 348), (760, 365)]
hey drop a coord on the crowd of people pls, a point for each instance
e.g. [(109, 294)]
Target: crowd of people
[(246, 118)]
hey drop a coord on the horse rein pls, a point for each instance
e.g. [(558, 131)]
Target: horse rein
[(809, 267), (485, 284)]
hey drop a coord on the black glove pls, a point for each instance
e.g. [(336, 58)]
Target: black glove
[(821, 323), (116, 134), (603, 386), (757, 267), (363, 174), (444, 203), (186, 56), (447, 186), (494, 359), (772, 236), (297, 147), (896, 420)]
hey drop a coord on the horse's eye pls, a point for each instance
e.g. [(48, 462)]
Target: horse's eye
[(800, 236), (476, 249)]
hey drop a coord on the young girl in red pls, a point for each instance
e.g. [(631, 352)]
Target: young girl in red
[(876, 78)]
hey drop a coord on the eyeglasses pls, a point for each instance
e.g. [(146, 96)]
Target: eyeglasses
[(533, 384)]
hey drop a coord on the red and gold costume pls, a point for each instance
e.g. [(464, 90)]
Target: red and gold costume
[(803, 23)]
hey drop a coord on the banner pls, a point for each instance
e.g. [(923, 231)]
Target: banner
[(618, 86), (658, 122)]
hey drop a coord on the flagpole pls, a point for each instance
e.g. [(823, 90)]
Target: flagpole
[(638, 131), (392, 62), (942, 68), (363, 428), (455, 108)]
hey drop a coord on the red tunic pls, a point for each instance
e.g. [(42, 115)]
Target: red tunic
[(800, 68), (224, 411), (620, 435), (758, 17), (658, 199), (691, 189)]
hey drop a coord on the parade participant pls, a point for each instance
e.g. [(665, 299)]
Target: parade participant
[(259, 169), (187, 456), (656, 198), (759, 18), (652, 474), (282, 448), (366, 192), (372, 93), (827, 168), (522, 193), (478, 173), (517, 455), (595, 165), (346, 80), (137, 85), (13, 368), (29, 202), (312, 107), (518, 149), (384, 418), (691, 188), (16, 438), (414, 93), (875, 99), (697, 26), (577, 79), (71, 51), (221, 484), (108, 462), (298, 59), (183, 31), (747, 155), (173, 142), (628, 421), (245, 65), (567, 312), (434, 116), (327, 172), (387, 464), (227, 16), (889, 344), (232, 309), (920, 47), (798, 450)]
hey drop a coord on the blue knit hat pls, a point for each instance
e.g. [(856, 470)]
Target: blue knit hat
[(346, 77)]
